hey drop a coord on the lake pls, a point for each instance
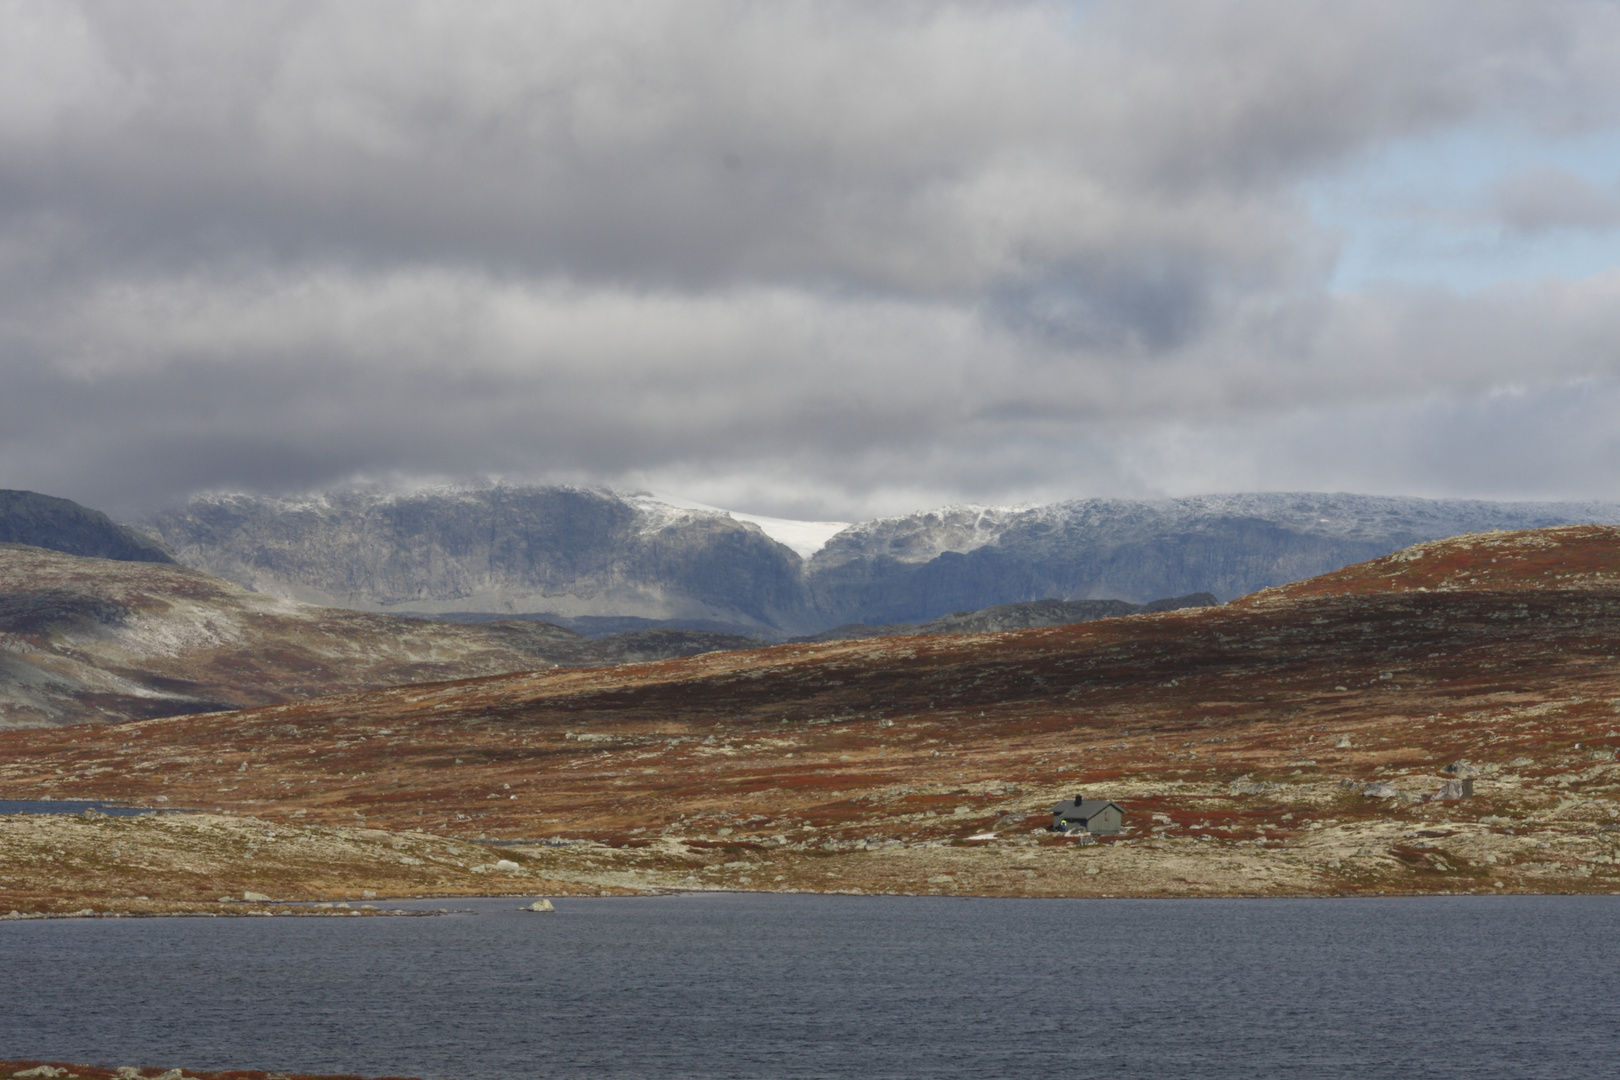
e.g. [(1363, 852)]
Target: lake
[(72, 806), (728, 985)]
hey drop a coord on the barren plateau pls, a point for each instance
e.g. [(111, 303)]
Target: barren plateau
[(1292, 742)]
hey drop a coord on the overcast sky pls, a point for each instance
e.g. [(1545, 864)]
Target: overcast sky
[(811, 259)]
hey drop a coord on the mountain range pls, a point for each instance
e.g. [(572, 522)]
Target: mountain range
[(601, 561)]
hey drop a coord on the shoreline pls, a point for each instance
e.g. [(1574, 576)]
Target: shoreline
[(238, 866)]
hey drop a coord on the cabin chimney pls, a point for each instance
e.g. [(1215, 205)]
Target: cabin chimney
[(1078, 798)]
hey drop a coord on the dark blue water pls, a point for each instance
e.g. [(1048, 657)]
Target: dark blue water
[(70, 806), (804, 986)]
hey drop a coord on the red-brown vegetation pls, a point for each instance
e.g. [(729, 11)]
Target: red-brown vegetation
[(1502, 649)]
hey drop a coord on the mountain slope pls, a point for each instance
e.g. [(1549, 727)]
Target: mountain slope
[(95, 639), (1297, 741), (1026, 616), (27, 517), (913, 568), (562, 550)]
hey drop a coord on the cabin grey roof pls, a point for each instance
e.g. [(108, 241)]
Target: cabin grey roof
[(1084, 809)]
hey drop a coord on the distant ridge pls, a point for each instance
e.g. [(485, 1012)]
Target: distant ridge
[(602, 561), (1027, 616), (44, 521)]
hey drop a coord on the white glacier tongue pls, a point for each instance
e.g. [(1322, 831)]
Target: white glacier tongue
[(804, 537)]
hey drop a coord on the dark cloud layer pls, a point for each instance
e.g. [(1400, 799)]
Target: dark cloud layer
[(826, 258)]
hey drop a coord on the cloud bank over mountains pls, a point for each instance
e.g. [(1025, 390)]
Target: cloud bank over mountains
[(810, 259)]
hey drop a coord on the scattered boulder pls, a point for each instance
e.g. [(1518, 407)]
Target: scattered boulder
[(1250, 787), (40, 1071), (508, 865), (90, 814), (539, 905), (1456, 789), (1380, 791), (1343, 743), (1462, 769), (255, 898)]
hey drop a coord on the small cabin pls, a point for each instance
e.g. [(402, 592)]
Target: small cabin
[(1099, 817)]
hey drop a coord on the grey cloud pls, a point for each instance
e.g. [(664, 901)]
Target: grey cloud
[(818, 256), (1542, 199), (892, 146), (263, 382)]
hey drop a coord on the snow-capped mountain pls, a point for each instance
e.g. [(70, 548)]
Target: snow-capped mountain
[(581, 553)]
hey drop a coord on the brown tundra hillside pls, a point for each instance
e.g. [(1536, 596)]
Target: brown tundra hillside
[(1310, 739)]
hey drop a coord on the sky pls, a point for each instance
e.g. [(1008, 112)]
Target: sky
[(815, 260)]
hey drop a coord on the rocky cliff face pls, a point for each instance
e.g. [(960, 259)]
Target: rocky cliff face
[(27, 517), (579, 554), (568, 551)]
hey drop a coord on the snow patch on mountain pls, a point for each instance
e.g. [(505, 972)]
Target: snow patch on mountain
[(803, 537)]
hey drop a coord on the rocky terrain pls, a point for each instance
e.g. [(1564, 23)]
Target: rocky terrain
[(572, 554), (85, 639), (60, 525), (167, 864), (1307, 740)]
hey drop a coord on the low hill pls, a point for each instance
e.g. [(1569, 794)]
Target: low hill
[(1026, 616), (27, 517), (92, 639), (84, 639), (1301, 741)]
